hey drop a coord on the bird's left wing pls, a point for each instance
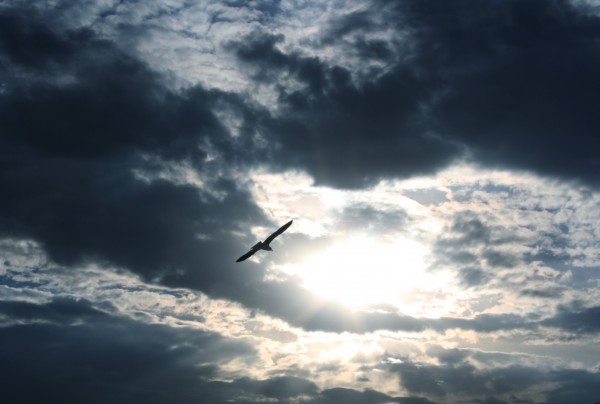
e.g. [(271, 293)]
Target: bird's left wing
[(278, 232), (247, 255)]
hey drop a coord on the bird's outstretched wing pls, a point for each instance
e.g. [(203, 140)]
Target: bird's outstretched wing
[(278, 232), (247, 255)]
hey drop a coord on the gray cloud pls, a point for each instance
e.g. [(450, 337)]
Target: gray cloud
[(69, 151), (368, 219), (445, 89), (473, 245), (501, 98), (576, 318), (547, 293), (302, 309), (350, 396), (463, 381), (473, 277), (323, 125), (92, 356)]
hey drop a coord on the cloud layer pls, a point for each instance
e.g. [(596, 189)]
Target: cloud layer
[(143, 147)]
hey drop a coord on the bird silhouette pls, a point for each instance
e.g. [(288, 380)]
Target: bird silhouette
[(265, 245)]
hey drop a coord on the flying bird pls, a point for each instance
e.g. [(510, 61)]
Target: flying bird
[(265, 245)]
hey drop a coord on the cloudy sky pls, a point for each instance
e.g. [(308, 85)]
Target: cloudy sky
[(440, 159)]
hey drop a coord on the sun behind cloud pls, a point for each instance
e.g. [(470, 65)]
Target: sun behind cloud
[(362, 271)]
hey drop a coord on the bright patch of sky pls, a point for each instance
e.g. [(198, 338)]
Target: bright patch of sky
[(519, 235)]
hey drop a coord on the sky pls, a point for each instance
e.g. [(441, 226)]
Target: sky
[(440, 160)]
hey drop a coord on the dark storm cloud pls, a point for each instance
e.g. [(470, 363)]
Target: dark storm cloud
[(576, 386), (505, 384), (516, 87), (519, 82), (521, 91), (59, 310), (576, 318), (98, 103), (31, 45), (69, 148), (344, 134), (90, 356)]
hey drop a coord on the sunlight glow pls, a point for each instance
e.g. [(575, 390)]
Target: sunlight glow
[(363, 271)]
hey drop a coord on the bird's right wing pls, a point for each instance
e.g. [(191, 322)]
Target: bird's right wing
[(278, 232), (247, 255)]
